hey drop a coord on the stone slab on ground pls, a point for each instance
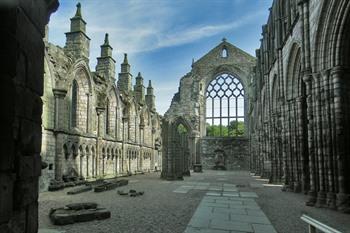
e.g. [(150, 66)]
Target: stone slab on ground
[(78, 212), (50, 231), (80, 190), (109, 185), (229, 214)]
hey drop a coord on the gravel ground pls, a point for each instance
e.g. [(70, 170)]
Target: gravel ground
[(160, 210)]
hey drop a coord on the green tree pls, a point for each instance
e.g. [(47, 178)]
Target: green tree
[(181, 129)]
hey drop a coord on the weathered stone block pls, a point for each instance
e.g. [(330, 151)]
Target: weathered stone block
[(6, 203), (109, 185), (26, 192), (30, 137), (6, 162), (79, 212), (81, 206), (32, 44), (18, 221), (32, 218), (80, 190)]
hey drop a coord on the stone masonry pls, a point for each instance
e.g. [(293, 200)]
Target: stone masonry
[(299, 128), (188, 108), (93, 128), (22, 26)]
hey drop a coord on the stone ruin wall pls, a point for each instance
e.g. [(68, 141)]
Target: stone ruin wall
[(236, 151)]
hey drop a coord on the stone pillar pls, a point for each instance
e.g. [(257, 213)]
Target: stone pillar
[(328, 138), (99, 111), (59, 95), (124, 137), (153, 149), (22, 27), (338, 76), (194, 138), (321, 195), (141, 141)]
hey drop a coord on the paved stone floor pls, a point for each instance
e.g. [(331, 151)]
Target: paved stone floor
[(208, 202)]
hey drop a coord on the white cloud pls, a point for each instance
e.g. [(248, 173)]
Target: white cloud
[(137, 26), (141, 25)]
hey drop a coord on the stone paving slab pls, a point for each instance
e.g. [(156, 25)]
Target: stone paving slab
[(256, 185), (199, 230), (226, 189), (221, 179), (213, 194), (50, 231), (248, 194), (226, 194), (229, 214)]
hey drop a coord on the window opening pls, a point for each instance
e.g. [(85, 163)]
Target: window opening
[(225, 106), (74, 104)]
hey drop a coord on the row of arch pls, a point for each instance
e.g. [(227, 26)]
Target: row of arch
[(303, 111), (83, 161), (121, 118)]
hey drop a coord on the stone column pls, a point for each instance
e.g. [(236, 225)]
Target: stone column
[(153, 149), (321, 195), (194, 137), (22, 28), (124, 137), (328, 138), (59, 95), (99, 111), (338, 75), (141, 141)]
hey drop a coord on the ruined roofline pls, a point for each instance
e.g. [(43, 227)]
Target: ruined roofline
[(224, 43)]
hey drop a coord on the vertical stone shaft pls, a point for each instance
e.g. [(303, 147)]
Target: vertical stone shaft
[(59, 95)]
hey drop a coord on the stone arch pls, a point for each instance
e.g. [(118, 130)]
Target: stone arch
[(93, 162), (112, 112), (132, 121), (275, 94), (103, 161), (71, 163), (79, 98), (67, 155), (226, 91), (293, 78), (297, 177), (81, 161), (333, 35), (181, 146), (88, 161), (48, 97)]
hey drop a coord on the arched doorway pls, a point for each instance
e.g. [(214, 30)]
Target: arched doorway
[(182, 146)]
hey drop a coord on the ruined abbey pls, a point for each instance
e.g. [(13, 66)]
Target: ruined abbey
[(94, 124), (282, 115)]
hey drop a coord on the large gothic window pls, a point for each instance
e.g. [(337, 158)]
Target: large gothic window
[(74, 106), (225, 106)]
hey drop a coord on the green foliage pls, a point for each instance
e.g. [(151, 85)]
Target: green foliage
[(181, 129), (232, 130)]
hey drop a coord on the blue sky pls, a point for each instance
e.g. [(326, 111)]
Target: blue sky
[(162, 36)]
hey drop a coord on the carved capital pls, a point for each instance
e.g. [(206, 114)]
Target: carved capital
[(100, 110), (59, 93)]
